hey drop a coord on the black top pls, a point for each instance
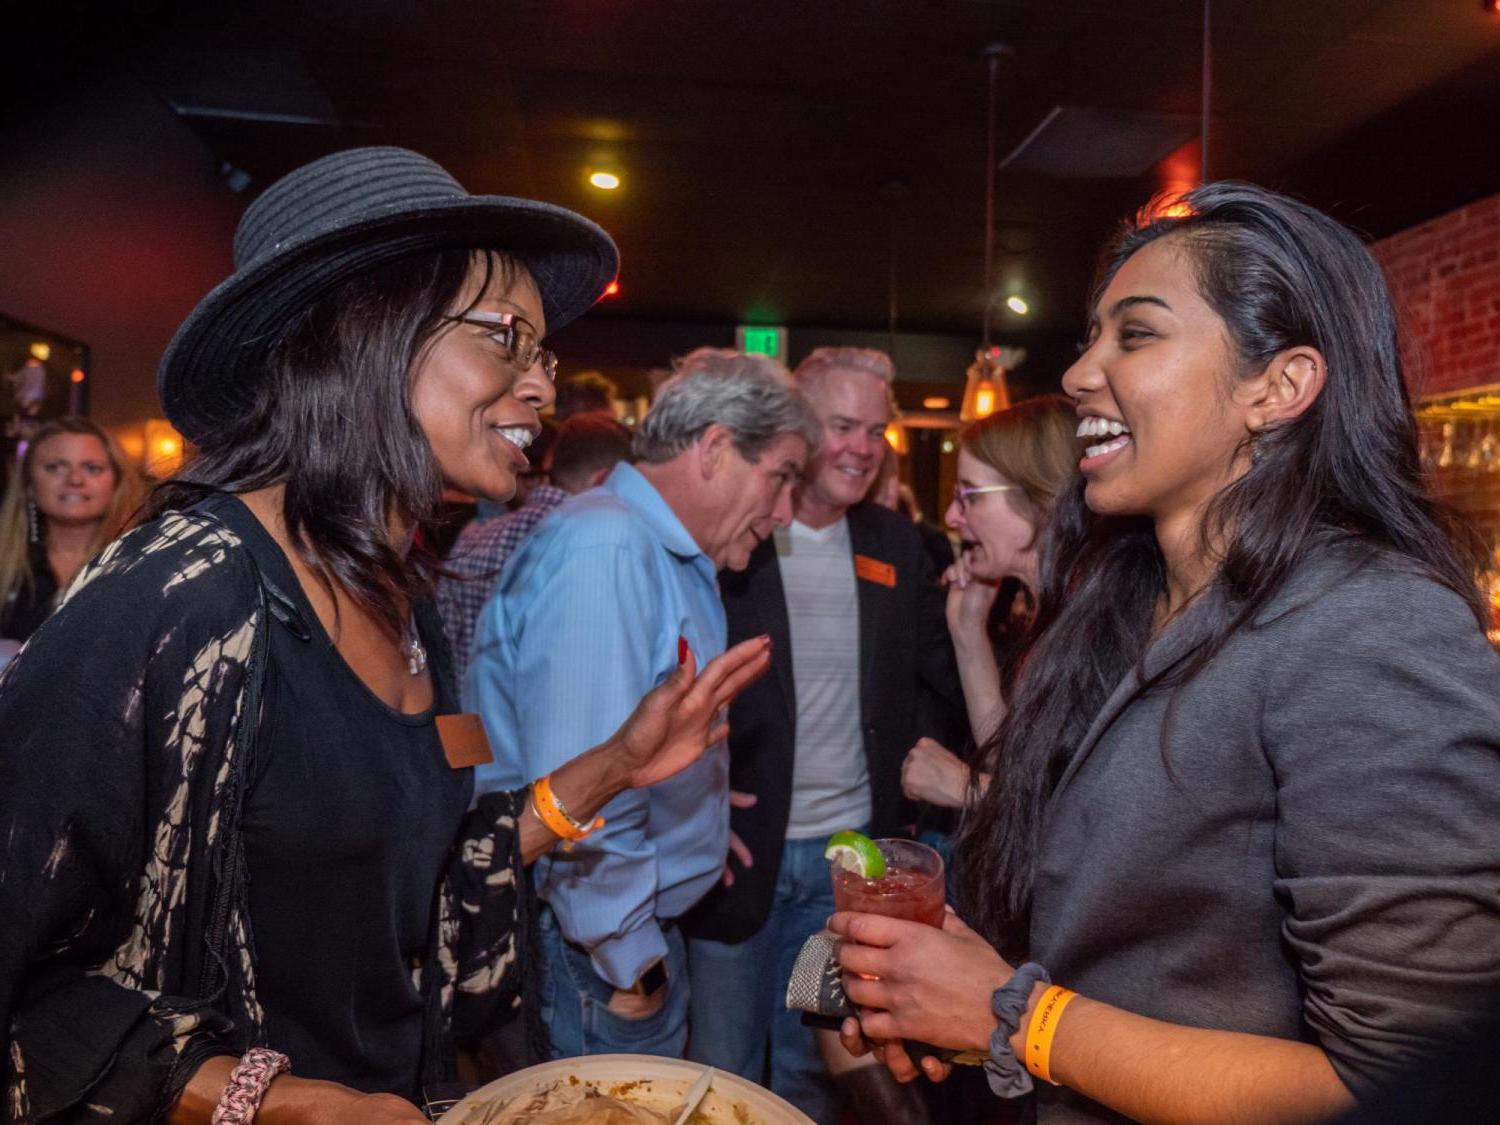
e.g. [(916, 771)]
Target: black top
[(336, 769), (29, 604), (126, 943)]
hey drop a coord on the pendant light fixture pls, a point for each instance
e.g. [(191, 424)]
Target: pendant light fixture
[(985, 389)]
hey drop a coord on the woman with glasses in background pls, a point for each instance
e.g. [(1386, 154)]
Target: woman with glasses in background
[(1011, 468)]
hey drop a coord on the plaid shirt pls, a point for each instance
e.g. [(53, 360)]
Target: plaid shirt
[(475, 561)]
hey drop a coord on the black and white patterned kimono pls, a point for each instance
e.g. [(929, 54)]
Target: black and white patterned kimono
[(125, 953)]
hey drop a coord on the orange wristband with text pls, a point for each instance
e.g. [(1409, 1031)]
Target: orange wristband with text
[(1039, 1035), (551, 812)]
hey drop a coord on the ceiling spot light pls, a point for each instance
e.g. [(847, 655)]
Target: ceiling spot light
[(935, 402), (948, 446), (604, 181), (612, 289), (77, 375), (41, 351), (1017, 305)]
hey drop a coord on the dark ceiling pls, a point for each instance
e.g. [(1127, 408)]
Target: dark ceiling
[(813, 163)]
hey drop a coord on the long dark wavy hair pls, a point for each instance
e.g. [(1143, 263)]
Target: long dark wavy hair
[(333, 421), (1280, 275)]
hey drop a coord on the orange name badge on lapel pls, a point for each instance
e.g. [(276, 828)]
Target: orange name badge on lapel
[(464, 741), (873, 570)]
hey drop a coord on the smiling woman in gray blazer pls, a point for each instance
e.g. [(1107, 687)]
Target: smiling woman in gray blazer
[(1247, 796)]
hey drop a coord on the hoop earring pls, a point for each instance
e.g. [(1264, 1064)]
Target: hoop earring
[(33, 531)]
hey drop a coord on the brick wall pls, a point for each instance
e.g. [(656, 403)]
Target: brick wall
[(1475, 494), (1445, 275)]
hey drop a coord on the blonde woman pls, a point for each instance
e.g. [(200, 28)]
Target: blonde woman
[(71, 494)]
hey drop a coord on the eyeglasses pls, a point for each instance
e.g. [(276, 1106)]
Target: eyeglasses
[(516, 336), (963, 493)]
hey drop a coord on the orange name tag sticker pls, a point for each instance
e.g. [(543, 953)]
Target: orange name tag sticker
[(464, 741), (873, 570)]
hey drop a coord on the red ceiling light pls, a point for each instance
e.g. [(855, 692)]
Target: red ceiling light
[(77, 375), (612, 289)]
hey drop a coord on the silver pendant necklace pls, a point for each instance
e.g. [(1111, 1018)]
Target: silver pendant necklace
[(416, 655)]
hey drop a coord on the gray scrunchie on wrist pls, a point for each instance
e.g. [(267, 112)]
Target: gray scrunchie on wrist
[(1008, 1078)]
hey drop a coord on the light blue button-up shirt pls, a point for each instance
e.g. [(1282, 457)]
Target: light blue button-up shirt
[(583, 622)]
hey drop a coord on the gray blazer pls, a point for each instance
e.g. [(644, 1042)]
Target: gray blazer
[(1315, 853)]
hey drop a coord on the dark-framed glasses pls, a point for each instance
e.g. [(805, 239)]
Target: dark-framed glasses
[(516, 335), (964, 493)]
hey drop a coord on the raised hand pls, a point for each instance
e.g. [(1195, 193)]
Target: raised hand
[(970, 600), (680, 718)]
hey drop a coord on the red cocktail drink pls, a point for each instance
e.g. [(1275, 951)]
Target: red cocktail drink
[(911, 888)]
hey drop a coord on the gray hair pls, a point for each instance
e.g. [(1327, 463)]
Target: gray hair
[(822, 362), (752, 395)]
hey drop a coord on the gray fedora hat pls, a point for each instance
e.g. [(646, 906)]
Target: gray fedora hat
[(336, 218)]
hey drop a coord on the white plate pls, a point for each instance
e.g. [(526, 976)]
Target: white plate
[(664, 1085)]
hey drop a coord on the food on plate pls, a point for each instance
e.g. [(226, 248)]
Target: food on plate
[(577, 1102)]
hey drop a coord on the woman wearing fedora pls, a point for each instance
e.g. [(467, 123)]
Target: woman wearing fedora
[(246, 845)]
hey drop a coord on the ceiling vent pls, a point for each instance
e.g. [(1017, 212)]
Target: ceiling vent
[(1080, 143)]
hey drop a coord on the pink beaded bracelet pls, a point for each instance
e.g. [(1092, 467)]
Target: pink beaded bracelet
[(248, 1082)]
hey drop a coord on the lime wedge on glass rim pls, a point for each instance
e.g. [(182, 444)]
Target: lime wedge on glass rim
[(857, 853)]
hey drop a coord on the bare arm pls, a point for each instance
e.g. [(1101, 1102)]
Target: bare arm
[(584, 786), (291, 1101), (980, 677), (968, 610), (935, 986), (1162, 1072)]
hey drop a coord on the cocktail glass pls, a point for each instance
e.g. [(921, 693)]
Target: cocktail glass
[(911, 888)]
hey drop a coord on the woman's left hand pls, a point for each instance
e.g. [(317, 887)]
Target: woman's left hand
[(912, 981), (935, 774), (679, 719)]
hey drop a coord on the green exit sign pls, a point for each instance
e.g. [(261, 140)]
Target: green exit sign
[(761, 341)]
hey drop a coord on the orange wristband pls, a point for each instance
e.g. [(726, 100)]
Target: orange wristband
[(1049, 1010), (551, 812)]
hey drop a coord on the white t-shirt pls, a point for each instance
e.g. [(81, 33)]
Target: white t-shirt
[(830, 780)]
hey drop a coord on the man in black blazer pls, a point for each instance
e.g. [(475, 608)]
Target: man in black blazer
[(863, 668)]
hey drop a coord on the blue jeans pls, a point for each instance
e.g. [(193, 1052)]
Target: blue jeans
[(575, 1002), (739, 991)]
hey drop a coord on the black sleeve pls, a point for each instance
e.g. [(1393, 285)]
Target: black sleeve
[(494, 905), (114, 718)]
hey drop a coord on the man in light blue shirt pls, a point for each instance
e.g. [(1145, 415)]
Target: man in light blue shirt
[(586, 618)]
